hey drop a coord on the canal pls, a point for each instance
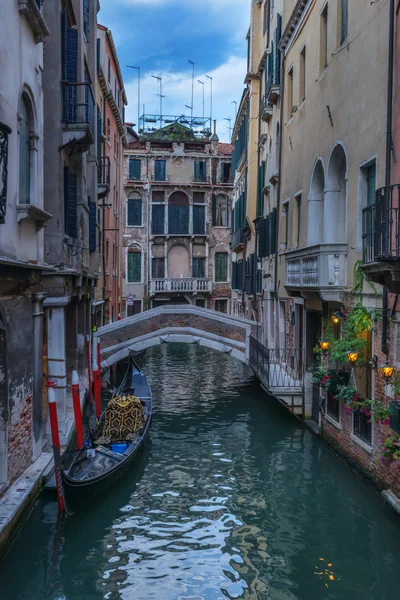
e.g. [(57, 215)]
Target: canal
[(232, 498)]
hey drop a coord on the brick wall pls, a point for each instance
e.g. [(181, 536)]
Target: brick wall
[(20, 441)]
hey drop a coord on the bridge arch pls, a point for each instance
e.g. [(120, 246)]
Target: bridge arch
[(186, 324)]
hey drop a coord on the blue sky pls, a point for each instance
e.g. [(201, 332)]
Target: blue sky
[(161, 35)]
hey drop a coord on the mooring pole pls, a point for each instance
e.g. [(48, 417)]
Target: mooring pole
[(97, 388), (89, 368), (77, 409), (55, 436)]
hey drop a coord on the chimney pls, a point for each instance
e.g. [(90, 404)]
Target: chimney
[(215, 127)]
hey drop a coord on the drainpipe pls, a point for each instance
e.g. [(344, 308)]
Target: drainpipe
[(388, 158), (278, 196), (38, 313), (104, 258)]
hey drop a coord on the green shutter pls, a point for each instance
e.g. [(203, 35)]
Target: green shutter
[(134, 267), (159, 170), (134, 169), (371, 179), (214, 210), (345, 21), (221, 266), (199, 217)]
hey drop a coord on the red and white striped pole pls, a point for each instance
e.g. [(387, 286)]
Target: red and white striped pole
[(55, 436), (89, 368), (77, 409), (99, 359), (97, 388)]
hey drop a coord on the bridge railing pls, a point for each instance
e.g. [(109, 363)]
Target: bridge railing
[(190, 284), (277, 368)]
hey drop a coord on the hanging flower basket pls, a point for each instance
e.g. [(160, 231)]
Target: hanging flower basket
[(386, 421)]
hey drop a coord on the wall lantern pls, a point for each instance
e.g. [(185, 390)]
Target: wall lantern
[(387, 371), (324, 345), (352, 356), (337, 317)]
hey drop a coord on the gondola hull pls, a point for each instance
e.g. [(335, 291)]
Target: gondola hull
[(95, 470)]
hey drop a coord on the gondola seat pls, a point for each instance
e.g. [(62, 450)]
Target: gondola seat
[(122, 420)]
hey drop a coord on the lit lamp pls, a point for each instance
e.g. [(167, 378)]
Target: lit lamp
[(387, 371), (335, 319), (324, 345), (352, 356)]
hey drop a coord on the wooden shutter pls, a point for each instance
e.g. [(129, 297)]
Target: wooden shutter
[(135, 169), (371, 182), (99, 132), (92, 226), (345, 21), (178, 219), (214, 209), (221, 266), (159, 170), (70, 203), (234, 275), (197, 170), (134, 212), (134, 266), (158, 268), (24, 155), (199, 267), (157, 219), (199, 216), (86, 15), (273, 231)]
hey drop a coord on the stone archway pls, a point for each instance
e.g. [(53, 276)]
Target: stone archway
[(315, 233), (336, 197)]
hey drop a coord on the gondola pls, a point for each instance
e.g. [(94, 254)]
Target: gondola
[(102, 460)]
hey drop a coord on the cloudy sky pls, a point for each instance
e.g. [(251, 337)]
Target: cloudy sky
[(161, 35)]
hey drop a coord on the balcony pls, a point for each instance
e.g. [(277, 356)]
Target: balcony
[(273, 88), (321, 268), (103, 176), (186, 285), (78, 116), (381, 238), (266, 109), (237, 239), (32, 10)]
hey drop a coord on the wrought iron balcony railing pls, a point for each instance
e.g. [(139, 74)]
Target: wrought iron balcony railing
[(381, 226), (237, 238), (78, 104)]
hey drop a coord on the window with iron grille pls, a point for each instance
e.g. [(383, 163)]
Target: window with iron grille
[(332, 406), (362, 426)]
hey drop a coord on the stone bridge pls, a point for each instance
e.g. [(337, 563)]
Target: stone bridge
[(186, 324)]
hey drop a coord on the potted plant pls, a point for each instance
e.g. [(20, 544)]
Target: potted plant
[(381, 412), (391, 449)]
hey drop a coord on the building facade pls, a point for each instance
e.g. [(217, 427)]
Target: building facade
[(71, 241), (111, 140), (177, 220), (256, 137), (22, 218)]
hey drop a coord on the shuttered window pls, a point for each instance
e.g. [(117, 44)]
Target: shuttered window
[(99, 132), (221, 266), (70, 203), (134, 169), (159, 170), (134, 212), (178, 214), (344, 20), (234, 275), (134, 265), (157, 219), (24, 154), (199, 170), (86, 15), (92, 226), (199, 267), (157, 268), (199, 220)]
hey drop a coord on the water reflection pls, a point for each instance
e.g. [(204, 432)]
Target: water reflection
[(232, 499)]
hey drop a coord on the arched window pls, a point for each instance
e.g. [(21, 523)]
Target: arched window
[(134, 267), (221, 211), (221, 265), (24, 150), (134, 210), (178, 214)]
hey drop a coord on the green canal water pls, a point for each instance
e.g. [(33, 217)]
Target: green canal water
[(232, 498)]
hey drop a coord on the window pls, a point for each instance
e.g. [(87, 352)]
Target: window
[(199, 220), (220, 212), (70, 203), (285, 215), (24, 152), (201, 302), (157, 219), (199, 170), (324, 38), (221, 306), (362, 427), (159, 170), (108, 131), (303, 74), (135, 169), (367, 193), (86, 15), (134, 265), (199, 267), (226, 172), (221, 266), (344, 20), (109, 70), (133, 308), (332, 406), (158, 196), (290, 93), (266, 19), (134, 210), (198, 197), (298, 216), (115, 144), (158, 268), (178, 214), (92, 226)]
